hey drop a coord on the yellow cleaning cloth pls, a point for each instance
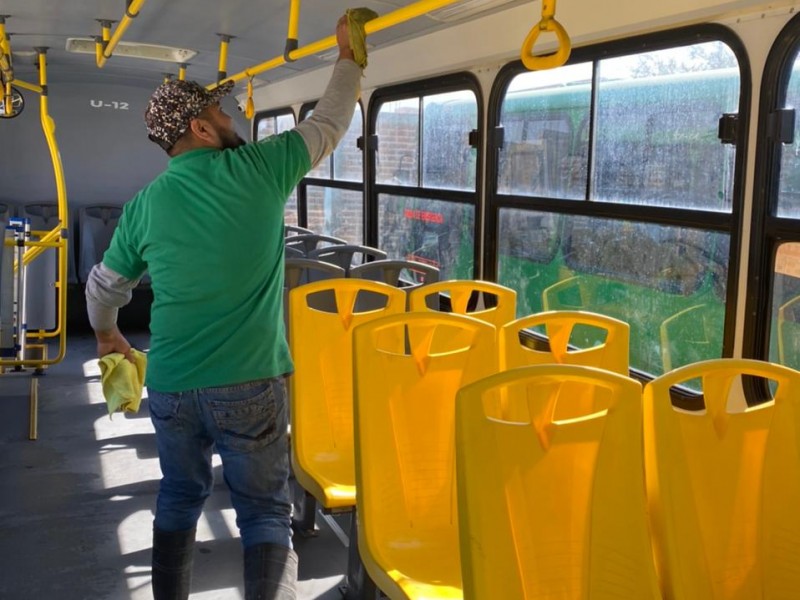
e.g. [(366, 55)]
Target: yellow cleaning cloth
[(356, 19), (123, 381)]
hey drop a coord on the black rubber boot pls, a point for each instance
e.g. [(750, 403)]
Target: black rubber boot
[(270, 572), (172, 564)]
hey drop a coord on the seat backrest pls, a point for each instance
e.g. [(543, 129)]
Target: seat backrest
[(96, 228), (405, 452), (347, 255), (300, 271), (306, 242), (322, 384), (291, 252), (789, 333), (292, 230), (392, 272), (549, 508), (496, 304), (724, 483), (560, 327)]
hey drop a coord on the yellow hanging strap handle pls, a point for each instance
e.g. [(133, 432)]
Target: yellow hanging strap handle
[(250, 108), (548, 23)]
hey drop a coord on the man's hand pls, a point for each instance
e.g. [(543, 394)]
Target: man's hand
[(112, 341), (343, 38)]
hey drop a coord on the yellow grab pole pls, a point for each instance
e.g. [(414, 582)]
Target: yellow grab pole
[(395, 17), (182, 71), (56, 238), (60, 235), (108, 45), (224, 41), (292, 36)]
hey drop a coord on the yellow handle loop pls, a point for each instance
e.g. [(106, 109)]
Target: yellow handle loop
[(548, 23), (250, 108)]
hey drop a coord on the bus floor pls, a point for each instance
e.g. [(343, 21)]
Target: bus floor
[(76, 506)]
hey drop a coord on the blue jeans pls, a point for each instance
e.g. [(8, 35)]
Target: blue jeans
[(247, 423)]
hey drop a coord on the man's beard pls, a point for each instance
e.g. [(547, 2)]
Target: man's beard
[(231, 140)]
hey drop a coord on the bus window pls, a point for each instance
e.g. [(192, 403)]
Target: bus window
[(336, 212), (434, 232), (398, 132), (610, 135), (656, 140), (273, 123), (336, 208), (448, 161), (541, 153), (423, 146), (789, 183), (785, 346)]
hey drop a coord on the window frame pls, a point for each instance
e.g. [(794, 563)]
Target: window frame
[(768, 231), (420, 89), (331, 182)]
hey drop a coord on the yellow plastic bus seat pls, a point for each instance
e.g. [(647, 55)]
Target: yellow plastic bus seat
[(405, 448), (548, 508), (567, 294), (461, 292), (610, 355), (724, 484), (789, 333), (691, 335), (321, 389)]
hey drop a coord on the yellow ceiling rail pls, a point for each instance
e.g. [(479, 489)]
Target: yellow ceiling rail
[(395, 17), (547, 23), (107, 45)]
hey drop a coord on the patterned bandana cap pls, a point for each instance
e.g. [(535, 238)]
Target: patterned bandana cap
[(174, 104)]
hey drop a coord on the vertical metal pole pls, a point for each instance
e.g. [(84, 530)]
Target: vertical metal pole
[(23, 235), (33, 429)]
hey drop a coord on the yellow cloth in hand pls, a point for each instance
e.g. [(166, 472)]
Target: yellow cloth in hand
[(123, 380), (356, 19)]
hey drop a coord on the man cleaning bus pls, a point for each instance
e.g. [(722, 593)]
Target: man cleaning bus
[(209, 231)]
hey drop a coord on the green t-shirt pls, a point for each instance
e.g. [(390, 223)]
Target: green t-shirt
[(209, 230)]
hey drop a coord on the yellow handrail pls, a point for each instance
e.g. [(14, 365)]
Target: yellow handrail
[(108, 45), (547, 23), (395, 17)]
